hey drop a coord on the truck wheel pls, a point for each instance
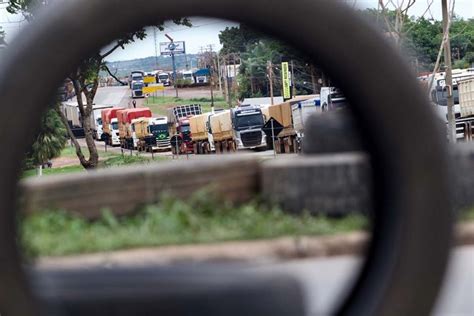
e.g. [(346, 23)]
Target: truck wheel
[(286, 145), (295, 145)]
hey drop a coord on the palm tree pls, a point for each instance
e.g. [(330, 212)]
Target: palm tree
[(49, 141)]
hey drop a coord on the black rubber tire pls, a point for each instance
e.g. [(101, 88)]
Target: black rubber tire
[(405, 261)]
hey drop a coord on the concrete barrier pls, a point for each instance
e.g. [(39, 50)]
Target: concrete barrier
[(330, 184)]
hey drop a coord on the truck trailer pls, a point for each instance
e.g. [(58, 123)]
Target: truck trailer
[(128, 139), (200, 133), (110, 129), (222, 132)]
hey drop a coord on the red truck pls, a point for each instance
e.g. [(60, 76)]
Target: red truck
[(110, 126), (178, 123), (125, 117)]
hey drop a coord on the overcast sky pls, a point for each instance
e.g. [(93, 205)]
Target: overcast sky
[(205, 31)]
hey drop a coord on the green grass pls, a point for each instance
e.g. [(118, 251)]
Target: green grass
[(201, 219), (53, 171), (113, 160), (159, 105)]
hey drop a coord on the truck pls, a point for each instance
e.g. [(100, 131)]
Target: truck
[(158, 127), (200, 133), (178, 126), (465, 124), (188, 77), (287, 141), (110, 129), (128, 138), (247, 123), (137, 89), (332, 99), (164, 78), (301, 111), (96, 119), (136, 76)]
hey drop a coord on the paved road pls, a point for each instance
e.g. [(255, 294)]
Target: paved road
[(120, 96), (327, 281)]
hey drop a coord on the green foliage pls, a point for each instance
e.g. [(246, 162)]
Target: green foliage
[(49, 141), (201, 219)]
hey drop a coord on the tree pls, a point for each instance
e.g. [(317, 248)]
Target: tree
[(85, 77), (49, 141)]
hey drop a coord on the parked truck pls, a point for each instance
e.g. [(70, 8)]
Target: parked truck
[(301, 111), (110, 128), (137, 89), (247, 124), (128, 138), (158, 127), (178, 126), (200, 133)]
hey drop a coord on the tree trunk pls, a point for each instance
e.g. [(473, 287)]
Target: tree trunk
[(93, 154), (74, 141)]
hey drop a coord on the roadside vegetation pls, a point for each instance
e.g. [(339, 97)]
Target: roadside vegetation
[(200, 219), (159, 105), (109, 160)]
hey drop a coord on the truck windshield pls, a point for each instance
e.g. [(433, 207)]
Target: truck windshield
[(441, 96), (163, 77), (185, 128), (158, 129), (246, 121), (114, 126), (137, 86)]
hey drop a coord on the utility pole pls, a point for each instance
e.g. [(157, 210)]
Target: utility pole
[(234, 78), (270, 78), (449, 75), (226, 83), (313, 78), (219, 72), (172, 47), (293, 80)]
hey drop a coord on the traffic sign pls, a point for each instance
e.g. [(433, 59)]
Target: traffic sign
[(153, 88), (272, 128), (176, 141)]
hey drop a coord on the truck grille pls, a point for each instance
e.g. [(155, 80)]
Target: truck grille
[(251, 139)]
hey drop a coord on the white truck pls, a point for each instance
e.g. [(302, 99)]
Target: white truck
[(331, 99), (164, 78), (188, 76), (97, 120), (301, 111)]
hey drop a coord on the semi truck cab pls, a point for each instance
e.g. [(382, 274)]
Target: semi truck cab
[(137, 89), (114, 128), (247, 123), (159, 128)]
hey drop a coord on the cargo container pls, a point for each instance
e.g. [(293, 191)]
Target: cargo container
[(125, 117), (222, 132), (110, 130), (466, 97), (301, 111), (287, 140), (200, 133)]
